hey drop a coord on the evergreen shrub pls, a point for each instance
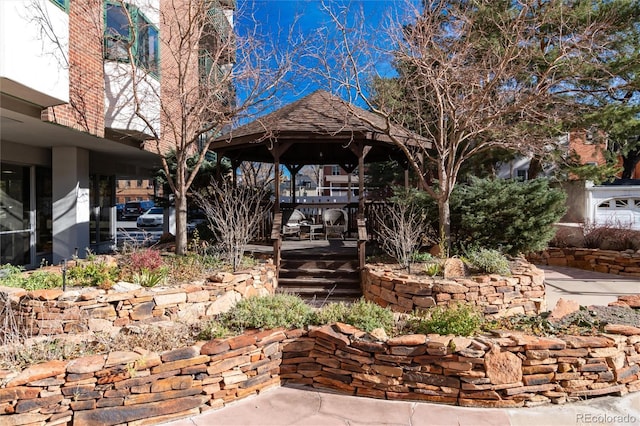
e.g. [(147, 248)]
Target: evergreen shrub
[(511, 216)]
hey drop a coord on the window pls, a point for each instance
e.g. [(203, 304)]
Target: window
[(522, 175), (119, 35), (623, 204), (62, 4), (605, 205), (335, 170)]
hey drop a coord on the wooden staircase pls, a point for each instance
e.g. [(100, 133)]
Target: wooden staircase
[(320, 277)]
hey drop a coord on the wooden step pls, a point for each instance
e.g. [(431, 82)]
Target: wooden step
[(347, 282), (350, 265), (320, 277)]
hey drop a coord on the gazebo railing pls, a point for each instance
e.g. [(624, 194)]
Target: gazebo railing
[(372, 210)]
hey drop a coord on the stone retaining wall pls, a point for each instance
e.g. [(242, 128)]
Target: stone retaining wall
[(512, 370), (626, 263), (55, 312), (521, 293), (138, 387), (142, 388)]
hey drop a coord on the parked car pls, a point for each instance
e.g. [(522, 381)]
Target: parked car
[(152, 217), (133, 209), (195, 217), (120, 211)]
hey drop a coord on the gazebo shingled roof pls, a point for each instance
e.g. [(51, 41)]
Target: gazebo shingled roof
[(317, 129)]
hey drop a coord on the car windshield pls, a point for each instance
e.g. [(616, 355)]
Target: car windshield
[(155, 210)]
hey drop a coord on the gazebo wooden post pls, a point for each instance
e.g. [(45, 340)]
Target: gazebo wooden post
[(362, 230), (276, 181), (234, 169), (293, 169)]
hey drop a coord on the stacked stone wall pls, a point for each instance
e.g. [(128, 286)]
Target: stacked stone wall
[(507, 369), (56, 312), (140, 387), (522, 292), (511, 370), (624, 263)]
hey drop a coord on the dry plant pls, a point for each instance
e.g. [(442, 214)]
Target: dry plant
[(234, 214), (401, 227), (611, 236)]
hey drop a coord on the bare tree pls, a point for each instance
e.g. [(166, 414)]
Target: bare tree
[(470, 77), (210, 76), (401, 226), (234, 214), (259, 175)]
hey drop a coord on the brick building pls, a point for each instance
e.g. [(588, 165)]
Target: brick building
[(69, 130)]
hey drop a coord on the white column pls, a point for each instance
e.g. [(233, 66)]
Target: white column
[(70, 202)]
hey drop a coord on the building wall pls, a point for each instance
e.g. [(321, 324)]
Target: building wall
[(40, 76), (85, 110), (134, 190)]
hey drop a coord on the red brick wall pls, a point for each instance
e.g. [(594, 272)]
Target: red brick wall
[(588, 152), (85, 110)]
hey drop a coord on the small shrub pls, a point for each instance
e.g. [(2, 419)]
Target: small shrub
[(214, 329), (421, 257), (192, 265), (150, 278), (40, 280), (433, 269), (13, 276), (148, 259), (611, 237), (279, 310), (567, 237), (488, 261), (94, 273), (458, 319), (361, 314)]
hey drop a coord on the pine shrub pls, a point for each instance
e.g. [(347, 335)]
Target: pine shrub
[(511, 216)]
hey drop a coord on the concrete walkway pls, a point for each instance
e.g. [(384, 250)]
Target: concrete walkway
[(585, 287), (301, 406), (296, 407)]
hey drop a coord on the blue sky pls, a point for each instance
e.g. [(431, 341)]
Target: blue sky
[(306, 17)]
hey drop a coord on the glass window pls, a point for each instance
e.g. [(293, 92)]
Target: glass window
[(119, 34), (15, 207), (44, 215), (147, 49), (63, 4), (604, 205), (335, 170), (622, 204)]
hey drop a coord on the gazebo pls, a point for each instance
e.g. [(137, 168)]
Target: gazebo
[(318, 129)]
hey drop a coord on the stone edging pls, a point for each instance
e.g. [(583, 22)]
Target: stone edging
[(624, 263), (521, 293), (507, 370)]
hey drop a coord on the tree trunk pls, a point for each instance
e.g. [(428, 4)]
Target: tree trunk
[(629, 163), (535, 168), (444, 219), (181, 204), (181, 223)]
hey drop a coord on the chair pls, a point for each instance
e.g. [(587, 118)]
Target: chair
[(292, 224), (335, 222)]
